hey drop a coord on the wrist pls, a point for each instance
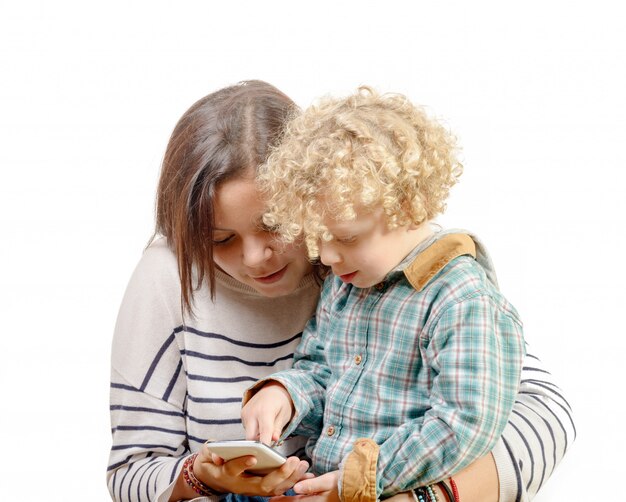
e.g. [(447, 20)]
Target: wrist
[(181, 490), (278, 389), (192, 465)]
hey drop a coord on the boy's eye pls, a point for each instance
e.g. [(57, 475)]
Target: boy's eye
[(267, 228), (347, 240)]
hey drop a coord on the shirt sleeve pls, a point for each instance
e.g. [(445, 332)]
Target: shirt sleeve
[(475, 350), (147, 394), (306, 382)]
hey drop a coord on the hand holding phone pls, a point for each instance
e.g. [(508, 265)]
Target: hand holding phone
[(267, 458)]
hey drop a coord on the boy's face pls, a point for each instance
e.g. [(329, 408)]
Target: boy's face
[(363, 251)]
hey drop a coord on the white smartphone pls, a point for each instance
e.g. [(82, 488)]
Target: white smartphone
[(267, 459)]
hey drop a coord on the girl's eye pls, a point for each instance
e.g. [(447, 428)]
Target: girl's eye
[(217, 242)]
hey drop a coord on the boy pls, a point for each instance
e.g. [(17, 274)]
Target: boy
[(412, 347)]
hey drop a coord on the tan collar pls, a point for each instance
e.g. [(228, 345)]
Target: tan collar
[(436, 256)]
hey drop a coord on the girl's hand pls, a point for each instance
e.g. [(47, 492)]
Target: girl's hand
[(230, 477), (265, 415)]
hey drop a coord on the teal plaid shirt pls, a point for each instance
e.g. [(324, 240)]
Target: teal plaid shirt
[(431, 375)]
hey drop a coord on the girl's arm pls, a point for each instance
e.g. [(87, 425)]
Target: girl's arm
[(478, 482), (147, 395)]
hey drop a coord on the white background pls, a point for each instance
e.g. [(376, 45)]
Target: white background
[(91, 90)]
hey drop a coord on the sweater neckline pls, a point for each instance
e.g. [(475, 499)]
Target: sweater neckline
[(232, 283)]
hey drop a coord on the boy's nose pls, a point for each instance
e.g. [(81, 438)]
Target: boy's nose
[(328, 254)]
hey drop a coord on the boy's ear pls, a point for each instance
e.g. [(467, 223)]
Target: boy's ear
[(406, 209), (415, 226)]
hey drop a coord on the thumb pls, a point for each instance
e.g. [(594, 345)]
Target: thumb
[(237, 466)]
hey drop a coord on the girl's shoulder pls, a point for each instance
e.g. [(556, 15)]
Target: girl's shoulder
[(157, 266), (159, 253), (154, 284)]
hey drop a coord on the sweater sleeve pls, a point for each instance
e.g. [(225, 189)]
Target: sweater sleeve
[(539, 432), (475, 349), (147, 394)]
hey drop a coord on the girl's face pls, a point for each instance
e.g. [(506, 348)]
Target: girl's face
[(248, 251)]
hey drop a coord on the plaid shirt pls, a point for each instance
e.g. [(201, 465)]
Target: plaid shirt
[(430, 375)]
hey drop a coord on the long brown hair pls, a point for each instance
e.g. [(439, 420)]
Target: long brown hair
[(221, 137)]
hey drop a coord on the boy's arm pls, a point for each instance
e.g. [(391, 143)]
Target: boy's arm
[(475, 349), (306, 382)]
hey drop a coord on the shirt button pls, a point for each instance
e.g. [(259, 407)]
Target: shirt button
[(357, 359), (380, 286), (330, 431)]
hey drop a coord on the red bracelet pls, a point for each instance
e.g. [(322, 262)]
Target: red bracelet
[(455, 490), (196, 485)]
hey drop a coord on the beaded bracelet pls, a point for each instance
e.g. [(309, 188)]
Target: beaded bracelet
[(419, 495), (196, 485), (455, 490), (446, 490), (425, 494), (432, 494)]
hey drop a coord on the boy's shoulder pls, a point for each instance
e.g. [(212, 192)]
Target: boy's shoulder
[(442, 255), (463, 274), (451, 268), (455, 268)]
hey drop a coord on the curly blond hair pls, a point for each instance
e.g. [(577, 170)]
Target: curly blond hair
[(368, 150)]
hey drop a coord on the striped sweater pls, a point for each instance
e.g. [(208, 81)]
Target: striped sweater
[(177, 382)]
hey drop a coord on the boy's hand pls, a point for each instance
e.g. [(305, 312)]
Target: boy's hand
[(324, 488), (324, 483), (265, 415)]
